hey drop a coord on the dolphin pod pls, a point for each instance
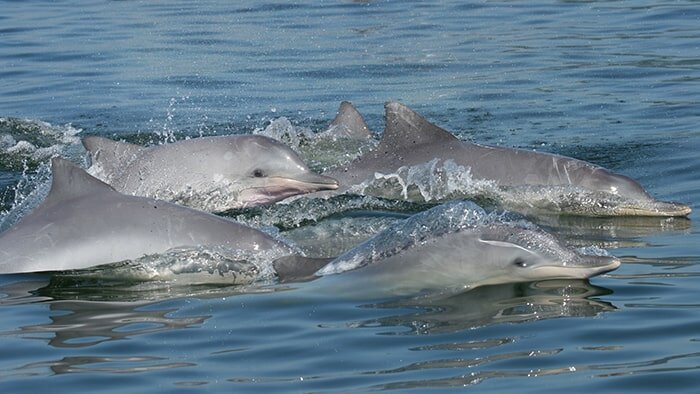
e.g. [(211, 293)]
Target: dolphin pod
[(210, 173), (410, 140), (84, 222)]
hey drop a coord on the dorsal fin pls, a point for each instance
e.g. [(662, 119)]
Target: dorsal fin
[(112, 156), (70, 181), (404, 127), (351, 122)]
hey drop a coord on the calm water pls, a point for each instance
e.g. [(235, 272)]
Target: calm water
[(616, 83)]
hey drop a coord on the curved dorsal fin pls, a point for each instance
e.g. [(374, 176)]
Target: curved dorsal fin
[(110, 155), (70, 181), (404, 127), (351, 121)]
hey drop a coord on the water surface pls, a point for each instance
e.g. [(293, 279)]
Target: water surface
[(615, 83)]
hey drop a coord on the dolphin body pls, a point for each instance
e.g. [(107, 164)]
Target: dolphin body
[(210, 173), (83, 222), (410, 140), (451, 247)]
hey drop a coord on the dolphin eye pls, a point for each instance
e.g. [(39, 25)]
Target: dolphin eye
[(258, 173), (520, 262)]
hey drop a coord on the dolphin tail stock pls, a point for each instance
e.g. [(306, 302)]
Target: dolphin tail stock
[(110, 155), (298, 268)]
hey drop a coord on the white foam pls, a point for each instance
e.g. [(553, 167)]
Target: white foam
[(190, 266)]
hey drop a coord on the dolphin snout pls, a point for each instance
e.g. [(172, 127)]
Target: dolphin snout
[(318, 181), (597, 264), (278, 188)]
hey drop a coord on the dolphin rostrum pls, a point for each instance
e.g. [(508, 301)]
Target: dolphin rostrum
[(210, 173), (453, 247), (411, 140), (84, 222)]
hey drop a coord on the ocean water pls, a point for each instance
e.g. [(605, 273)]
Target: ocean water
[(614, 83)]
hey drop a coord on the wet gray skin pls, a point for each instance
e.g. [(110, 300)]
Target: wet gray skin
[(208, 173), (410, 140), (454, 262), (84, 222)]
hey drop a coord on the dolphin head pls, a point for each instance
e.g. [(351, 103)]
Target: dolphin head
[(269, 171), (518, 254)]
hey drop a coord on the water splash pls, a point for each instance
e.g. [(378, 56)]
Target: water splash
[(443, 219), (26, 146), (27, 194), (320, 151), (189, 266), (26, 142), (439, 181)]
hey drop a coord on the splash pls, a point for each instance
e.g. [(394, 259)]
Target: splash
[(439, 181), (283, 130), (219, 197), (417, 229), (333, 237), (26, 142), (434, 181), (191, 266), (27, 194), (26, 146), (320, 151)]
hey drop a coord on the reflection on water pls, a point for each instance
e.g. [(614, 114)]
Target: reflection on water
[(611, 232), (488, 305), (89, 323), (112, 364), (78, 319)]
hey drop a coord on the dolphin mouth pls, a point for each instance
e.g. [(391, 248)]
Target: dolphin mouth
[(658, 209), (584, 267), (279, 188), (311, 182)]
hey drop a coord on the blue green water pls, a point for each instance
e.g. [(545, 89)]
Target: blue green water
[(615, 83)]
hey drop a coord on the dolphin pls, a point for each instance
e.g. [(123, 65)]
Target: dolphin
[(84, 222), (451, 248), (208, 173), (411, 140)]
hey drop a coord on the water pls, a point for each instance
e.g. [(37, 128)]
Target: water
[(615, 83)]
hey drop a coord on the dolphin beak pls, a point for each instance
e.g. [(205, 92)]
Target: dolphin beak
[(658, 208), (279, 188), (600, 264), (311, 182), (596, 265), (581, 267)]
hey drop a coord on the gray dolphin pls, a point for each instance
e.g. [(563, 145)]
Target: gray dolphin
[(451, 247), (210, 173), (84, 222), (411, 140)]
